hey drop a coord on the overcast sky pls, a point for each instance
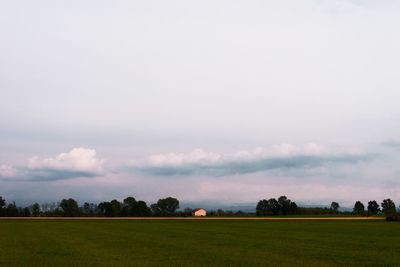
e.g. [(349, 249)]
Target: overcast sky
[(217, 101)]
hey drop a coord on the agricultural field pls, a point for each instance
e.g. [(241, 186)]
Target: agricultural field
[(198, 242)]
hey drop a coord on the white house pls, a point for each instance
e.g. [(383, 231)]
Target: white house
[(199, 212)]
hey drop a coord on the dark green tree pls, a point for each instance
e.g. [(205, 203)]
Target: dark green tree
[(35, 209), (335, 207), (188, 212), (155, 209), (388, 206), (26, 212), (116, 207), (373, 207), (141, 209), (128, 208), (220, 212), (130, 201), (2, 202), (359, 208), (88, 209), (69, 207), (274, 206), (105, 209), (168, 206), (284, 205), (12, 210), (293, 208), (2, 206), (262, 208)]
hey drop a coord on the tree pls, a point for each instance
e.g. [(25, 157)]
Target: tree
[(26, 212), (105, 209), (268, 207), (274, 206), (131, 207), (141, 209), (373, 207), (116, 207), (155, 209), (69, 207), (388, 206), (35, 209), (2, 202), (129, 204), (262, 208), (286, 206), (110, 209), (335, 207), (283, 206), (220, 212), (2, 206), (88, 209), (293, 208), (359, 208), (12, 210), (168, 205), (188, 212)]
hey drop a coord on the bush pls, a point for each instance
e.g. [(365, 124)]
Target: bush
[(393, 217)]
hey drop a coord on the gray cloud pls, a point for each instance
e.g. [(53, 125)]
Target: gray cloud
[(53, 175), (391, 144), (39, 175), (251, 166)]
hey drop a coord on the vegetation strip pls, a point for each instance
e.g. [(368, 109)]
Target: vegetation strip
[(200, 219)]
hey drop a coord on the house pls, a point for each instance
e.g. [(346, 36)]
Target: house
[(199, 212)]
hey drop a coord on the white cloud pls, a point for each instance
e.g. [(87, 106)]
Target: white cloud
[(79, 162), (197, 156), (278, 157), (78, 159), (339, 6), (201, 157)]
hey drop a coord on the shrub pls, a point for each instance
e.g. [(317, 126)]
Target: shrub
[(393, 217)]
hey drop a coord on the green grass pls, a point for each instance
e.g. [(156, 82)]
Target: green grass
[(198, 243)]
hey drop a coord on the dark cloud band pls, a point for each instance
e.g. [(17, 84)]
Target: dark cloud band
[(251, 166)]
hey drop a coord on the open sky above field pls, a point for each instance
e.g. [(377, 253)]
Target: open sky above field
[(207, 101)]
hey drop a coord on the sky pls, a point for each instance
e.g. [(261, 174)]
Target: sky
[(210, 101)]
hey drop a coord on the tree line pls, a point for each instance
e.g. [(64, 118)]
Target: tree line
[(284, 206), (129, 207), (387, 207)]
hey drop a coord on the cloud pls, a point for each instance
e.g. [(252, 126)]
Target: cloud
[(78, 159), (339, 6), (7, 171), (391, 144), (281, 157), (79, 162)]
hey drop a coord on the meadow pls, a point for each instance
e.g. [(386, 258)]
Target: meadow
[(158, 242)]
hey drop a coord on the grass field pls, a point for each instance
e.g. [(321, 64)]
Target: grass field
[(199, 242)]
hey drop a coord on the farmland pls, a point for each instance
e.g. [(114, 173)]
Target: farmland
[(158, 242)]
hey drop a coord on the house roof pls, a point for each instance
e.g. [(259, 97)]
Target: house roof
[(198, 209)]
